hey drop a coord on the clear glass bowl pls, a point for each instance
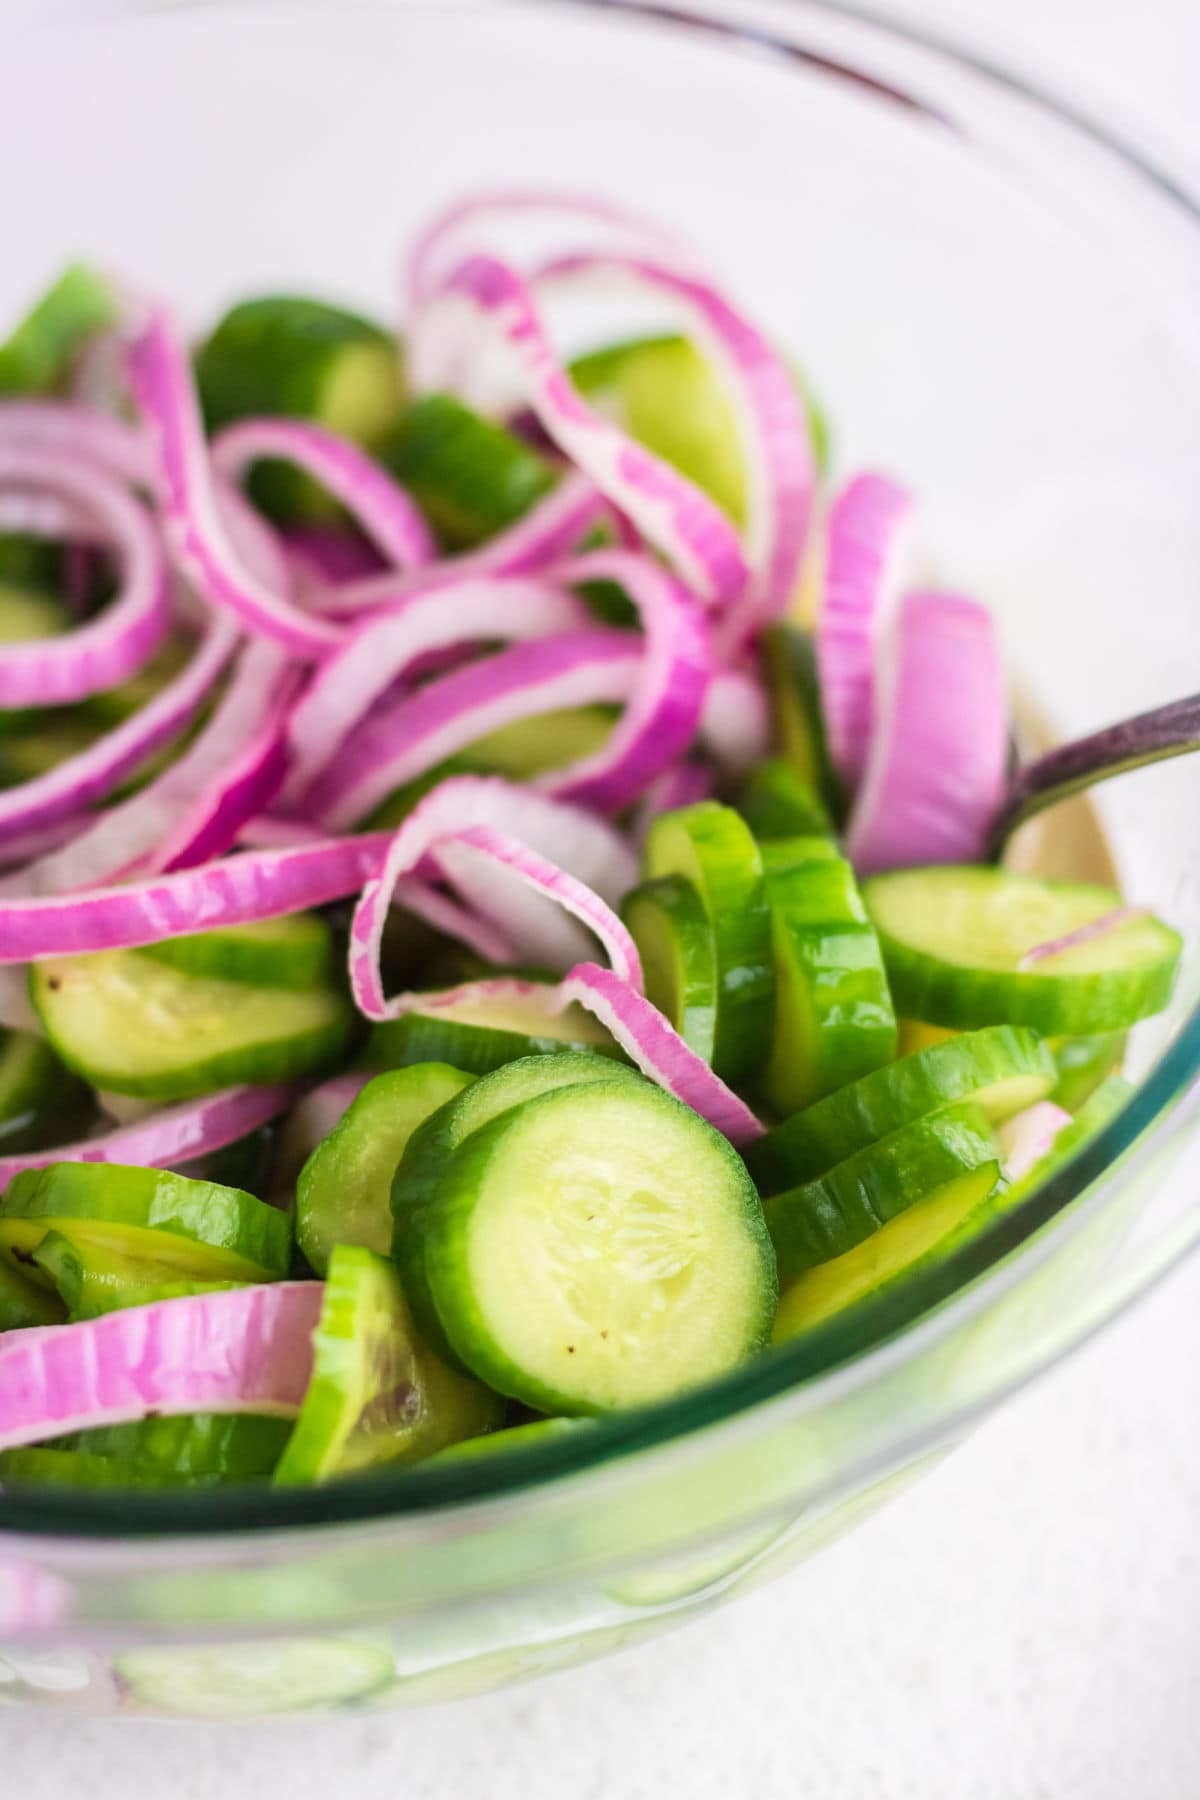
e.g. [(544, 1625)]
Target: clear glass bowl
[(990, 295)]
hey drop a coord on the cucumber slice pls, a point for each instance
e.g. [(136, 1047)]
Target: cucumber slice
[(42, 1466), (953, 939), (777, 802), (939, 1219), (598, 1247), (711, 847), (23, 1302), (512, 1437), (344, 1190), (38, 357), (798, 724), (1096, 1111), (189, 1447), (93, 1278), (232, 1681), (308, 360), (482, 1038), (131, 1023), (668, 396), (1082, 1064), (824, 1219), (26, 613), (376, 1394), (915, 1034), (676, 943), (1003, 1069), (39, 1099), (295, 951), (213, 1233), (40, 743), (833, 1011), (469, 476)]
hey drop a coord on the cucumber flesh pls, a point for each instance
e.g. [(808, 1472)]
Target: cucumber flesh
[(135, 1025), (295, 951), (512, 1437), (954, 937), (485, 1037), (92, 1278), (833, 1017), (938, 1220), (678, 951), (777, 802), (709, 846), (305, 359), (188, 1448), (24, 1303), (469, 476), (1002, 1069), (598, 1247), (343, 1194), (39, 1100), (39, 355), (42, 1466), (377, 1395), (27, 614), (223, 1681), (150, 1214), (1082, 1064), (824, 1219)]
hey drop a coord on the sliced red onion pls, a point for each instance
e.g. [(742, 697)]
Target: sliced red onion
[(866, 542), (379, 651), (331, 555), (683, 785), (527, 895), (110, 648), (78, 781), (735, 726), (381, 507), (260, 884), (1029, 1136), (178, 1134), (574, 840), (935, 770), (198, 803), (1083, 934), (421, 730), (243, 1349), (196, 533), (772, 425), (79, 432), (664, 708), (671, 512)]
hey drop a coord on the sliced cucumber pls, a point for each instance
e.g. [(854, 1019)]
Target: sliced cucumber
[(778, 802), (953, 939), (1083, 1063), (824, 1219), (295, 951), (93, 1278), (134, 1024), (833, 1018), (512, 1437), (798, 724), (1002, 1069), (937, 1221), (41, 1466), (39, 742), (678, 949), (1100, 1106), (915, 1034), (188, 1447), (485, 1037), (40, 1101), (212, 1233), (377, 1395), (27, 613), (308, 360), (469, 476), (344, 1190), (23, 1302), (598, 1247), (39, 355), (711, 847), (224, 1681)]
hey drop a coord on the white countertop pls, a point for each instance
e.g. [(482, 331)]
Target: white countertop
[(1024, 1625)]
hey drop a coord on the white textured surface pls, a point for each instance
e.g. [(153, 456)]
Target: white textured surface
[(1025, 1625)]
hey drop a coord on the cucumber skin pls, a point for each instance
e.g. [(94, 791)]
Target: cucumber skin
[(469, 476), (423, 1037), (189, 1447), (226, 1219), (690, 936), (825, 1219), (797, 722), (1083, 1063), (1064, 1005), (38, 356), (298, 959), (22, 1303), (777, 802), (812, 1142), (41, 1102)]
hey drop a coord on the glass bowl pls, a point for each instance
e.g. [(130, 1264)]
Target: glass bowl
[(990, 295)]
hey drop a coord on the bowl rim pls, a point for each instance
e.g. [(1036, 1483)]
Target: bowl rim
[(931, 1304)]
